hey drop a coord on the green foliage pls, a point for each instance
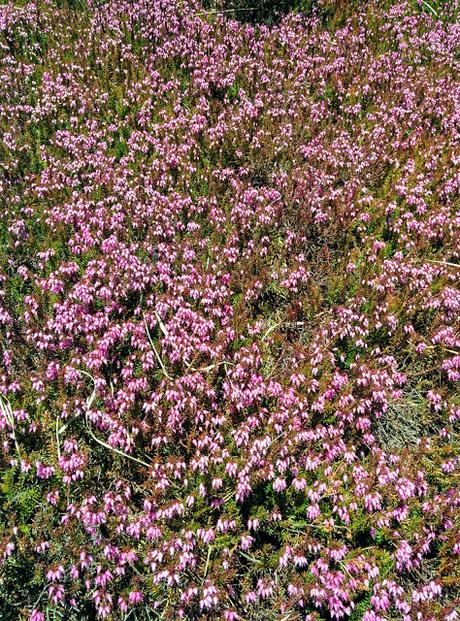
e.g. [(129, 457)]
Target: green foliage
[(19, 498), (398, 429), (266, 11), (402, 424)]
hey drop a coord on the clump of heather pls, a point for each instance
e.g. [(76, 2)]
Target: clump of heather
[(229, 312)]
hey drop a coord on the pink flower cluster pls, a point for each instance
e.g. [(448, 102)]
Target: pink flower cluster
[(229, 312)]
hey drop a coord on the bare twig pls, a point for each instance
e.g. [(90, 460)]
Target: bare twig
[(250, 558), (217, 12), (449, 351), (296, 324), (41, 595), (89, 402), (58, 445), (208, 557), (115, 450), (161, 324), (270, 329), (430, 8), (212, 366), (423, 371), (158, 357), (7, 412), (443, 263)]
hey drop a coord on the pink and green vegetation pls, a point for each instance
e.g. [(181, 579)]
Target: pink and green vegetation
[(229, 311)]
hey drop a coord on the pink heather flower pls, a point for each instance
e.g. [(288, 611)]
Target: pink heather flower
[(246, 542), (74, 573), (370, 615), (44, 472), (25, 466), (157, 306), (313, 511), (264, 589), (56, 593), (276, 516), (123, 606), (42, 546), (449, 466), (135, 597), (435, 400), (250, 597), (428, 592), (372, 502), (8, 549), (253, 524), (284, 558), (53, 497), (405, 488), (300, 561), (56, 573), (210, 598)]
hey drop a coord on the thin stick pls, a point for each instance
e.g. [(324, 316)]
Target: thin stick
[(163, 368), (212, 366), (7, 412), (160, 323), (58, 446), (89, 401), (216, 12), (250, 558), (41, 595), (208, 557), (113, 449), (449, 351), (423, 372), (428, 6), (270, 329), (443, 263)]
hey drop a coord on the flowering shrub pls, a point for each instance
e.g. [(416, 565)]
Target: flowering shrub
[(229, 312)]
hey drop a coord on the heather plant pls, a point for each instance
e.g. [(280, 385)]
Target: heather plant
[(229, 311)]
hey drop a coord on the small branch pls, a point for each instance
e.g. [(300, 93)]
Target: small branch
[(212, 366), (89, 402), (152, 344), (250, 558), (58, 446), (287, 324), (208, 557), (7, 412), (161, 324), (449, 351), (270, 329), (165, 609), (216, 12), (292, 528), (430, 8), (113, 449), (424, 371), (41, 595), (189, 364), (443, 263), (342, 565)]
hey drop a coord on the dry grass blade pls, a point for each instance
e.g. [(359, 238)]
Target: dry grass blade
[(5, 408), (107, 446)]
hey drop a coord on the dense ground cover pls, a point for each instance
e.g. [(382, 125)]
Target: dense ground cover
[(229, 312)]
